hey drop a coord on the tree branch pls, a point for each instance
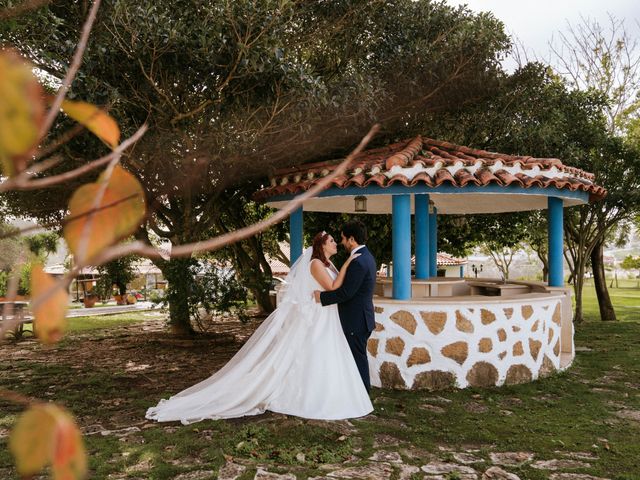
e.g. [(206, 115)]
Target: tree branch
[(71, 73)]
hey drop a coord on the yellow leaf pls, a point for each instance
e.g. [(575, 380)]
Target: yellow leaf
[(118, 214), (47, 434), (50, 315), (31, 441), (96, 120), (21, 112)]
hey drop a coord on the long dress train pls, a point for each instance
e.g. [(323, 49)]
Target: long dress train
[(297, 362)]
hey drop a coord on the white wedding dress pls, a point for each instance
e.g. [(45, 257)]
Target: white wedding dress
[(297, 362)]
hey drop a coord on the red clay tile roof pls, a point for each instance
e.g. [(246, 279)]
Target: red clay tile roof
[(445, 260), (433, 163)]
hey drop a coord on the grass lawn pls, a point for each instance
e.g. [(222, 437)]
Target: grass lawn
[(626, 300), (83, 324), (109, 370)]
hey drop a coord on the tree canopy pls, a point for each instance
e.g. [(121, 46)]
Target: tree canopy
[(232, 90)]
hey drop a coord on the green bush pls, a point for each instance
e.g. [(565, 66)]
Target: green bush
[(156, 296), (4, 281), (24, 285)]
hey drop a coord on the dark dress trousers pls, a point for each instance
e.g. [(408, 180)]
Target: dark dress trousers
[(355, 306)]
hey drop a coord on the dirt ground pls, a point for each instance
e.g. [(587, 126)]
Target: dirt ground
[(579, 425), (146, 357)]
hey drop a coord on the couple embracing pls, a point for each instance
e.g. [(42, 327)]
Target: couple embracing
[(309, 357)]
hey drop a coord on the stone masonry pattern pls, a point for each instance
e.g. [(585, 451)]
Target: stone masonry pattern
[(437, 346)]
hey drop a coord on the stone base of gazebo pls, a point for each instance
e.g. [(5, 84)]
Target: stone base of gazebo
[(470, 341)]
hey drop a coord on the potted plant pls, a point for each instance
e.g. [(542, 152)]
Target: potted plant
[(90, 300)]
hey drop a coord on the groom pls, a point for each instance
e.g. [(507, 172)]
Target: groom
[(355, 296)]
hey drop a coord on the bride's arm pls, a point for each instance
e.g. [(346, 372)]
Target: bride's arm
[(337, 283), (319, 272)]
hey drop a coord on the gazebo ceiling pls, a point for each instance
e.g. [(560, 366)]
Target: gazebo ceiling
[(459, 179)]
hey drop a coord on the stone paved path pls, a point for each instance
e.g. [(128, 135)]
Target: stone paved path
[(399, 463)]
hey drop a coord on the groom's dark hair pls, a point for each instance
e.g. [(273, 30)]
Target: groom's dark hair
[(355, 229)]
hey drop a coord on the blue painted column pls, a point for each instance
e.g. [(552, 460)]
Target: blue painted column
[(422, 235), (401, 246), (556, 233), (433, 243), (461, 271), (295, 234)]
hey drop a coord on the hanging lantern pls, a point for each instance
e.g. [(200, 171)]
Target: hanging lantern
[(361, 203)]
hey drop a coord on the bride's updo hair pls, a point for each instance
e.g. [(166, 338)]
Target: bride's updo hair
[(316, 247)]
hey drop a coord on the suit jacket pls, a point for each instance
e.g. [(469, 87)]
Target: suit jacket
[(355, 296)]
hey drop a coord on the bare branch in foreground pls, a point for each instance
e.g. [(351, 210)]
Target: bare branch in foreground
[(45, 151), (233, 237), (21, 182), (71, 73), (186, 250)]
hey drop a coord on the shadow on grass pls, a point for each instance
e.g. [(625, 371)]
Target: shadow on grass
[(108, 380)]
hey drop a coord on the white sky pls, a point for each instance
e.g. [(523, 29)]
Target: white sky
[(535, 22)]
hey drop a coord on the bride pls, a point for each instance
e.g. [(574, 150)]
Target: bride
[(297, 362)]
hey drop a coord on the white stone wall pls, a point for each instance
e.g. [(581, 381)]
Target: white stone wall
[(438, 345)]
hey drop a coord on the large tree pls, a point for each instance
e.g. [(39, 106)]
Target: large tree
[(232, 90), (604, 58), (536, 113)]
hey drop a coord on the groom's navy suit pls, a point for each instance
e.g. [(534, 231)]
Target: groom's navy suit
[(355, 306)]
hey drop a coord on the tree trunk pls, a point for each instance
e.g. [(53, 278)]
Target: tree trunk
[(252, 276), (179, 287), (578, 286), (607, 312), (578, 316), (542, 256)]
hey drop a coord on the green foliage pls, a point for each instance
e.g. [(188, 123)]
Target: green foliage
[(180, 274), (232, 90), (156, 296), (118, 272), (4, 281), (630, 263), (534, 112), (24, 285), (10, 247), (249, 257), (193, 285), (42, 244), (218, 290), (14, 247)]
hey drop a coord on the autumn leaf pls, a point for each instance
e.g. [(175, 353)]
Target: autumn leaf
[(95, 119), (30, 441), (69, 456), (117, 215), (50, 314), (21, 112), (46, 434)]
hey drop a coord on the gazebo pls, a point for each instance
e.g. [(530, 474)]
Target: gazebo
[(434, 332)]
